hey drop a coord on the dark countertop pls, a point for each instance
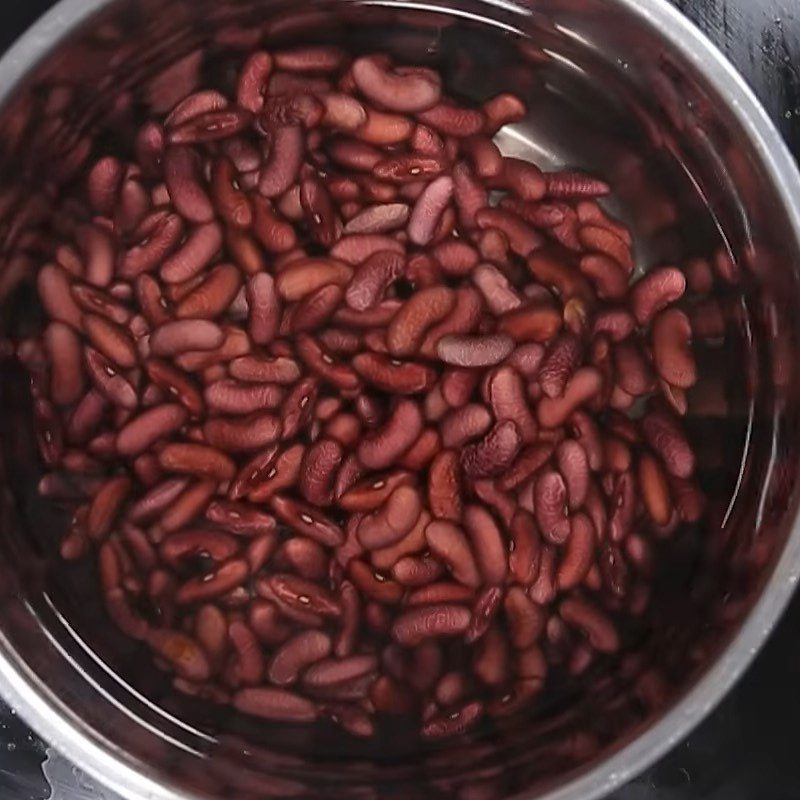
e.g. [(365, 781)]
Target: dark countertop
[(746, 750)]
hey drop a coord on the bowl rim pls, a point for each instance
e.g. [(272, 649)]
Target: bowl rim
[(106, 762)]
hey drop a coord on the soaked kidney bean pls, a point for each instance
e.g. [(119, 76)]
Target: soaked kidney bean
[(341, 398)]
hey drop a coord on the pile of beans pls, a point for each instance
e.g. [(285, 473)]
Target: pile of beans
[(359, 416)]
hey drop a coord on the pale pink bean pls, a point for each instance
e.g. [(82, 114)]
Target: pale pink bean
[(496, 289), (474, 351), (405, 91), (428, 210), (379, 219)]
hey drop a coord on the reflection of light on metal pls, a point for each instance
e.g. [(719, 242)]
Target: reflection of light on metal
[(453, 12), (513, 142), (128, 688), (575, 36), (562, 59), (67, 782)]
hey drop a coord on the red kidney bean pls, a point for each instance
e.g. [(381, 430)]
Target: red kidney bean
[(233, 397), (111, 340), (98, 249), (560, 362), (573, 465), (285, 159), (382, 218), (299, 653), (672, 352), (148, 427), (457, 386), (428, 210), (469, 193), (579, 555), (190, 503), (506, 394), (474, 351), (551, 507), (403, 427), (207, 587), (256, 369), (526, 620), (181, 652), (496, 289), (464, 424), (242, 434), (151, 504), (420, 454), (495, 453), (655, 291), (53, 284), (655, 489), (453, 723), (396, 378), (598, 628), (196, 459), (301, 595), (106, 506), (275, 704), (397, 90), (188, 543), (318, 471), (487, 544), (371, 494), (444, 486), (307, 520), (185, 190), (63, 348), (584, 385), (416, 625), (663, 433), (373, 277), (393, 521), (449, 543)]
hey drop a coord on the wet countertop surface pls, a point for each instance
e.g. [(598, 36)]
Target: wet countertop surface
[(747, 749)]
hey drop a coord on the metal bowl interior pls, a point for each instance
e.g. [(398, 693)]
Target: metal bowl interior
[(625, 89)]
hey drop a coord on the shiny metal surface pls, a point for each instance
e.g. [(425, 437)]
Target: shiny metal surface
[(627, 88)]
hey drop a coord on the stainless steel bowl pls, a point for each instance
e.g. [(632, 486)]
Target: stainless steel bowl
[(627, 88)]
